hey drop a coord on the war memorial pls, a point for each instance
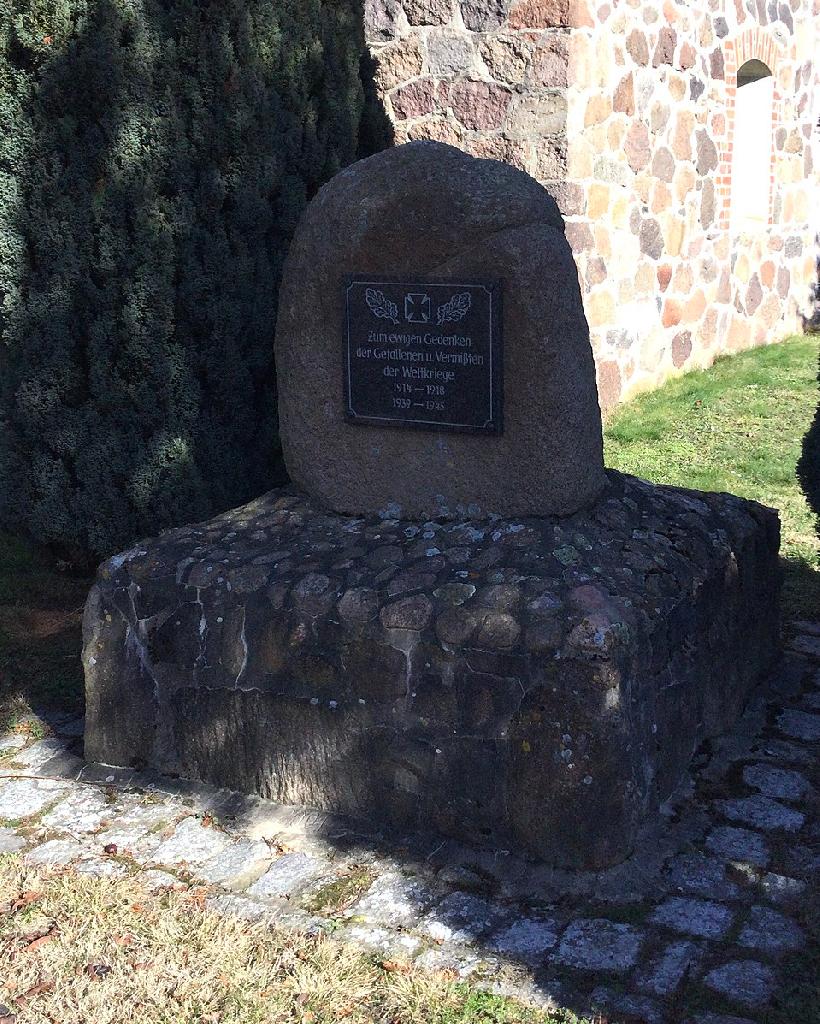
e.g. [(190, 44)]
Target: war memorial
[(454, 618)]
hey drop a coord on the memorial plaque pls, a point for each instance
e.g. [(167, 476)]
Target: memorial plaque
[(423, 354)]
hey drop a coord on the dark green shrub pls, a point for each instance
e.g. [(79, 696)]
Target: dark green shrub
[(155, 156)]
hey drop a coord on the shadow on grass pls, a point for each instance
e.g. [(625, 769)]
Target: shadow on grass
[(41, 605), (800, 597)]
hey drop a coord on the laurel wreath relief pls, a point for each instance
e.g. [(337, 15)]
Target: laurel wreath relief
[(456, 309), (451, 312), (381, 306)]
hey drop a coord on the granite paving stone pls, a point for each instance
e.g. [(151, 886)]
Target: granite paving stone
[(132, 811), (807, 644), (10, 744), (802, 859), (236, 866), (463, 962), (778, 783), (129, 841), (136, 827), (82, 810), (392, 900), (154, 878), (36, 755), (783, 751), (628, 1006), (382, 939), (801, 725), (101, 867), (62, 766), (700, 875), (600, 945), (527, 939), (287, 875), (22, 798), (664, 973), (106, 775), (762, 812), (55, 853), (781, 888), (747, 983), (542, 994), (462, 917), (294, 919), (191, 843), (770, 932), (233, 905), (10, 842), (807, 626), (702, 918), (739, 844)]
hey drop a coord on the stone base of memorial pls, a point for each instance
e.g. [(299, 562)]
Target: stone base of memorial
[(536, 684)]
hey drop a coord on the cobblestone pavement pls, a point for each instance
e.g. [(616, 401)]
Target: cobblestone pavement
[(694, 927)]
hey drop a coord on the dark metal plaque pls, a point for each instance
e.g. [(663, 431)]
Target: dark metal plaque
[(423, 354)]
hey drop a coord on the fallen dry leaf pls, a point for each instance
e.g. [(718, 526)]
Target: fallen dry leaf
[(395, 965), (25, 899), (35, 990), (33, 944)]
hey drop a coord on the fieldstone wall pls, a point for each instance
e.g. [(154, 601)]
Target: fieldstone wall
[(625, 110), (536, 684), (489, 76)]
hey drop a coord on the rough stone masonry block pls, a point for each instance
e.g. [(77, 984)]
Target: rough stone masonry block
[(426, 211), (534, 683)]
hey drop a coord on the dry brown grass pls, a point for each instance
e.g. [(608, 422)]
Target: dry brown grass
[(78, 950)]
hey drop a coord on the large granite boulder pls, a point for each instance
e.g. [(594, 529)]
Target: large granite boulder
[(537, 684), (426, 210)]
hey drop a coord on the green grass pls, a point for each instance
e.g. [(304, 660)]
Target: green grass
[(736, 427)]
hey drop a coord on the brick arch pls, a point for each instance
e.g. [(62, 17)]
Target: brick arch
[(754, 43)]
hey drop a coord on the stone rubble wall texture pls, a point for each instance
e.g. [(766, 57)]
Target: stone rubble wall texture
[(625, 111), (538, 684)]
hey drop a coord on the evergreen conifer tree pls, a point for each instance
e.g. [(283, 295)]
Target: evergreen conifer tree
[(155, 156)]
